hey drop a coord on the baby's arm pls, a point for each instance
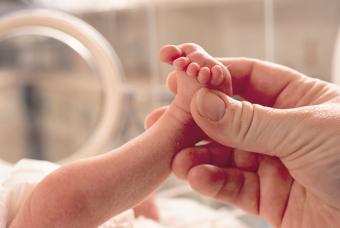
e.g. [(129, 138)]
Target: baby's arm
[(88, 192)]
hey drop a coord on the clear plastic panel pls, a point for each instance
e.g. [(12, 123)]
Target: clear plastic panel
[(50, 95)]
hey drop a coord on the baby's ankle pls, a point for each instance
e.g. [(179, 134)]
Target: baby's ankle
[(179, 110)]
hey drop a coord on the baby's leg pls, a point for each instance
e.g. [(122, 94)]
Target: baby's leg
[(88, 192)]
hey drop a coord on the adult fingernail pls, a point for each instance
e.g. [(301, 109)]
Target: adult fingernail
[(210, 105)]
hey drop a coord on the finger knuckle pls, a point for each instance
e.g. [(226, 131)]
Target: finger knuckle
[(243, 122)]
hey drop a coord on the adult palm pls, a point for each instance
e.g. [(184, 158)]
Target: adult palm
[(276, 154)]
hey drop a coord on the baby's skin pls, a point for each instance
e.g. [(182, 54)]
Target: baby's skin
[(86, 193)]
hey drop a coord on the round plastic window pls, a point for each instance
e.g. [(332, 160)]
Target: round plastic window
[(59, 87)]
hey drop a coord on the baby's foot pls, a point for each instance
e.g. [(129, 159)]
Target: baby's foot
[(195, 68)]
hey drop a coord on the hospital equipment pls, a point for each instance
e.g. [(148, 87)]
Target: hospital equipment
[(88, 44)]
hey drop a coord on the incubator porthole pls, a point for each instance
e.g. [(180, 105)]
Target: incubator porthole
[(59, 87)]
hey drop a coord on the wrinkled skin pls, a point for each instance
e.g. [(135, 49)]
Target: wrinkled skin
[(276, 154)]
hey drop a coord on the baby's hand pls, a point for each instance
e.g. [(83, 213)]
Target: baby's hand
[(195, 68)]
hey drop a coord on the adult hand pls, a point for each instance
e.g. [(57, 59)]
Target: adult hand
[(277, 154)]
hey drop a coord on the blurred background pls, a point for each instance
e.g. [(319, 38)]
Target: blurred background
[(51, 96)]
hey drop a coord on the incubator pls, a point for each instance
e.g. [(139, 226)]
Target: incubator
[(75, 86), (61, 87)]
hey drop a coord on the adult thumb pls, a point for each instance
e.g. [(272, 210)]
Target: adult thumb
[(245, 126)]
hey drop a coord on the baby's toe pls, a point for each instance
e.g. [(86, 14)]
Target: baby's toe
[(193, 69), (189, 48), (169, 53), (204, 75), (181, 63), (217, 73)]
